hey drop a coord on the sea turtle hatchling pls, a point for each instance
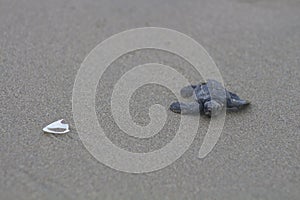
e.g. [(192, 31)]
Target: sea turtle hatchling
[(211, 99)]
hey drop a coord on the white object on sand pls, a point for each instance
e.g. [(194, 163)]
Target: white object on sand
[(58, 127)]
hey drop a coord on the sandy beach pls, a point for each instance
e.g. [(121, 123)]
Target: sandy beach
[(256, 46)]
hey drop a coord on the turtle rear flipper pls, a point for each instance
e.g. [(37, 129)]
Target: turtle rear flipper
[(187, 91)]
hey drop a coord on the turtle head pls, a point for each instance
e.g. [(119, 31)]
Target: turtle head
[(212, 108)]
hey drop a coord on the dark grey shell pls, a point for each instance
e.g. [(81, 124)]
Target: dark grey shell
[(212, 90)]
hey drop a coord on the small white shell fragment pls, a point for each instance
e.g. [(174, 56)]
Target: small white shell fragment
[(58, 127)]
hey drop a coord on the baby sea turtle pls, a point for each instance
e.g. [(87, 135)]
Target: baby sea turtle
[(211, 99)]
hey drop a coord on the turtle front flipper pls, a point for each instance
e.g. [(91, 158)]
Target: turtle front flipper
[(186, 108), (236, 102), (240, 104)]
